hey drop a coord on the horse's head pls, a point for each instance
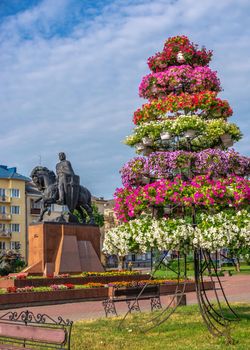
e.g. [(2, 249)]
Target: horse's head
[(42, 177)]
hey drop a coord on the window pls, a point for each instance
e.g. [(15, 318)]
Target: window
[(35, 205), (15, 192), (15, 227), (15, 209), (2, 245), (2, 192), (15, 245), (2, 209), (5, 228)]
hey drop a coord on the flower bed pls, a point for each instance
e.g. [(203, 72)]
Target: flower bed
[(141, 283), (45, 282), (170, 288), (47, 297), (61, 293), (165, 287), (111, 273)]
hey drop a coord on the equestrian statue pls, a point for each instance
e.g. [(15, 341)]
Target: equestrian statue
[(64, 189)]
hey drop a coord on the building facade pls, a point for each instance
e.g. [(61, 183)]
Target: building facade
[(12, 210)]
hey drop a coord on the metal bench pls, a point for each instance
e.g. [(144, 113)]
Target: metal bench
[(29, 331), (132, 295)]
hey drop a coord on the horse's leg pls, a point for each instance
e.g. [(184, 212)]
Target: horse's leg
[(43, 211), (46, 207)]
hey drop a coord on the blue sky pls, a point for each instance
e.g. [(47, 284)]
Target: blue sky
[(70, 71)]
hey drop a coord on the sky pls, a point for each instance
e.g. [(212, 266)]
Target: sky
[(70, 72)]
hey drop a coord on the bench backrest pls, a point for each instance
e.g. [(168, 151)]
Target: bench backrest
[(135, 291), (41, 330), (39, 333)]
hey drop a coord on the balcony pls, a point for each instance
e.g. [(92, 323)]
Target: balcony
[(5, 199), (35, 211), (5, 234), (5, 217)]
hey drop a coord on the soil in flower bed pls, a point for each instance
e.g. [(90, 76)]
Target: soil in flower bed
[(44, 282)]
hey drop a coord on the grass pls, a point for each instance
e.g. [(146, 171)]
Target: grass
[(166, 273), (185, 330), (244, 269)]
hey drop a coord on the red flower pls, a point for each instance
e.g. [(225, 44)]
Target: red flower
[(21, 276), (69, 285)]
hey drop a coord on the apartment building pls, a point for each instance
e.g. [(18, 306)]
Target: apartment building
[(12, 210)]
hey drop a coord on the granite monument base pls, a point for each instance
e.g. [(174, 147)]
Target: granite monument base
[(56, 248)]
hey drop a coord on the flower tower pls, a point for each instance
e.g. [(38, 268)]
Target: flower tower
[(187, 190)]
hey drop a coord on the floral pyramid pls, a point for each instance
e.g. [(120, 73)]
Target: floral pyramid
[(183, 135)]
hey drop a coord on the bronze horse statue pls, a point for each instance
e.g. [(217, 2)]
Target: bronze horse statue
[(46, 182)]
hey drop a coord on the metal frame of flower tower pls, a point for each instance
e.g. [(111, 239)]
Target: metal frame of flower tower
[(214, 314), (183, 115)]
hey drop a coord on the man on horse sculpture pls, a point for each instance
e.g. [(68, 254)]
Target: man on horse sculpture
[(68, 182)]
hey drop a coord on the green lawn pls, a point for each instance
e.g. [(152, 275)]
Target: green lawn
[(244, 269), (183, 331)]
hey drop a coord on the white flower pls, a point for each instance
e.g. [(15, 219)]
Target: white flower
[(180, 58), (212, 232)]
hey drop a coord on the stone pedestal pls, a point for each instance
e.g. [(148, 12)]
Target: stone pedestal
[(56, 248)]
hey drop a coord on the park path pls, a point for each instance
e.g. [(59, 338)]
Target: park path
[(237, 289)]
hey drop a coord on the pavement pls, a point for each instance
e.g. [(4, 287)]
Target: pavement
[(237, 289)]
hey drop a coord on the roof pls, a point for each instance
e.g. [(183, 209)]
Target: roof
[(10, 173)]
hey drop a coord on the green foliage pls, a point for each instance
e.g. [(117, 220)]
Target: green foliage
[(11, 262), (99, 218), (42, 289), (210, 131)]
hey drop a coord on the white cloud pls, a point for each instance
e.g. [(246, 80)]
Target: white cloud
[(77, 93), (33, 21)]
